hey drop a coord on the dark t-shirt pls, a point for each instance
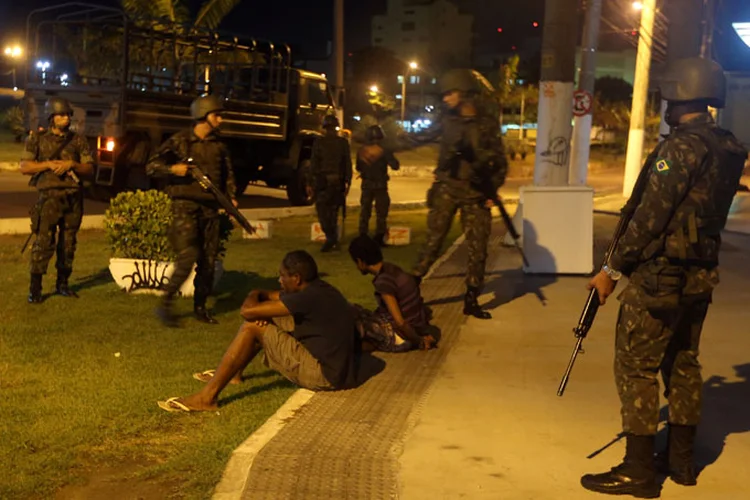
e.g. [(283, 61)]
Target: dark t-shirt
[(393, 280), (324, 324)]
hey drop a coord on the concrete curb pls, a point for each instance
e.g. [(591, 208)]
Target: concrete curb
[(235, 475), (21, 225)]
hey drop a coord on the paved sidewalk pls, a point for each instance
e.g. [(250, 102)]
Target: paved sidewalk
[(493, 427)]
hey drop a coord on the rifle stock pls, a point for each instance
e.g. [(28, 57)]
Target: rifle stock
[(225, 202)]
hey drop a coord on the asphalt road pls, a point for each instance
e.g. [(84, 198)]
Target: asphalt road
[(16, 197)]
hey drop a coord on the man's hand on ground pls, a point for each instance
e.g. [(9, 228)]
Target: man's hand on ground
[(428, 342)]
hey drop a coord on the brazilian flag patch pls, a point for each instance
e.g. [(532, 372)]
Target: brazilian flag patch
[(662, 166)]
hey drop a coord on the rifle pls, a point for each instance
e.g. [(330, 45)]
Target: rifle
[(225, 202), (591, 307), (492, 195)]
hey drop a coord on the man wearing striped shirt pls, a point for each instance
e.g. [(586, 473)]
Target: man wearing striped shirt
[(401, 321)]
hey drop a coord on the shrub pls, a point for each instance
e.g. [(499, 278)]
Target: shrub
[(137, 226)]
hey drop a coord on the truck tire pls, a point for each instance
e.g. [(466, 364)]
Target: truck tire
[(296, 188)]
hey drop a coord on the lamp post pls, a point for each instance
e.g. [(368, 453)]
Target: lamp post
[(14, 52), (44, 66), (413, 65), (640, 95)]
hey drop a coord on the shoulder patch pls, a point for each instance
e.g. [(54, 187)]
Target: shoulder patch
[(662, 165)]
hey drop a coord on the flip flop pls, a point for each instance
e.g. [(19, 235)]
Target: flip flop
[(204, 376), (173, 406)]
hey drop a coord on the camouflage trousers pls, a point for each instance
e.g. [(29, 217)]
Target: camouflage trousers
[(382, 204), (58, 214), (648, 342), (194, 236), (328, 200), (444, 201)]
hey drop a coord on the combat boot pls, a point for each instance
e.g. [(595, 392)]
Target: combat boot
[(166, 314), (35, 289), (471, 306), (329, 246), (202, 315), (635, 476), (380, 240), (677, 460), (61, 288)]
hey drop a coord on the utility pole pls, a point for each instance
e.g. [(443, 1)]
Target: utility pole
[(640, 97), (579, 165), (684, 37), (556, 93), (338, 23)]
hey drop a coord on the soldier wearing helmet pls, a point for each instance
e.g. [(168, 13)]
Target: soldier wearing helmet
[(670, 253), (54, 158), (471, 161), (373, 160), (194, 233), (331, 171)]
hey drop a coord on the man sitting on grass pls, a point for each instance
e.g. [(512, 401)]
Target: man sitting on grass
[(306, 330), (401, 321)]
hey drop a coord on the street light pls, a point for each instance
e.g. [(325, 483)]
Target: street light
[(413, 66), (44, 66), (14, 52), (374, 89), (638, 5)]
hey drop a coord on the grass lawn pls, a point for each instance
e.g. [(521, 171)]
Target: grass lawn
[(80, 378), (10, 150)]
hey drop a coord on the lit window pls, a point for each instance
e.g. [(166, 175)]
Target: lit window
[(400, 79)]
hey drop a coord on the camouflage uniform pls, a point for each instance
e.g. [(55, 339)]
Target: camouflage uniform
[(469, 145), (375, 188), (194, 233), (670, 251), (59, 209), (331, 170)]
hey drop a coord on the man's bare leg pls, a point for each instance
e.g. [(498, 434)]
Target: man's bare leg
[(241, 351)]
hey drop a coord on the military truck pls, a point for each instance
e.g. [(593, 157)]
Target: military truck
[(131, 80)]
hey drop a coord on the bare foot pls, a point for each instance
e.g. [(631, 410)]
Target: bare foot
[(196, 403)]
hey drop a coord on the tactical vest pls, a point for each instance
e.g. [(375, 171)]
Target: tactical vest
[(693, 236)]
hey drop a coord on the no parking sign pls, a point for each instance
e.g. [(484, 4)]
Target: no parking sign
[(582, 102)]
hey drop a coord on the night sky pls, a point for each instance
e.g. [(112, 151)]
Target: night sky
[(308, 24)]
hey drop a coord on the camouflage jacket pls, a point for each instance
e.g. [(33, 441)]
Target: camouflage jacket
[(689, 188), (375, 174), (40, 147), (471, 151), (210, 154), (331, 159)]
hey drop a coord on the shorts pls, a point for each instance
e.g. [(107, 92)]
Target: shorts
[(285, 354), (378, 330)]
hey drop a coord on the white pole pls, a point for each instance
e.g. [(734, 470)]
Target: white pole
[(640, 97)]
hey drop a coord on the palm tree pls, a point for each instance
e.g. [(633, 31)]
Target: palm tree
[(210, 15)]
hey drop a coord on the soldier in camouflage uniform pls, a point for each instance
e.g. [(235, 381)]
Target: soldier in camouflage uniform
[(195, 213), (471, 157), (331, 171), (670, 252), (373, 161), (54, 158)]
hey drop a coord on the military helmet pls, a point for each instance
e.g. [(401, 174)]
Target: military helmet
[(330, 121), (374, 133), (204, 105), (694, 79), (57, 106), (459, 79)]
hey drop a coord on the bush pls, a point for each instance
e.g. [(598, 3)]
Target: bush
[(137, 226), (13, 120)]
